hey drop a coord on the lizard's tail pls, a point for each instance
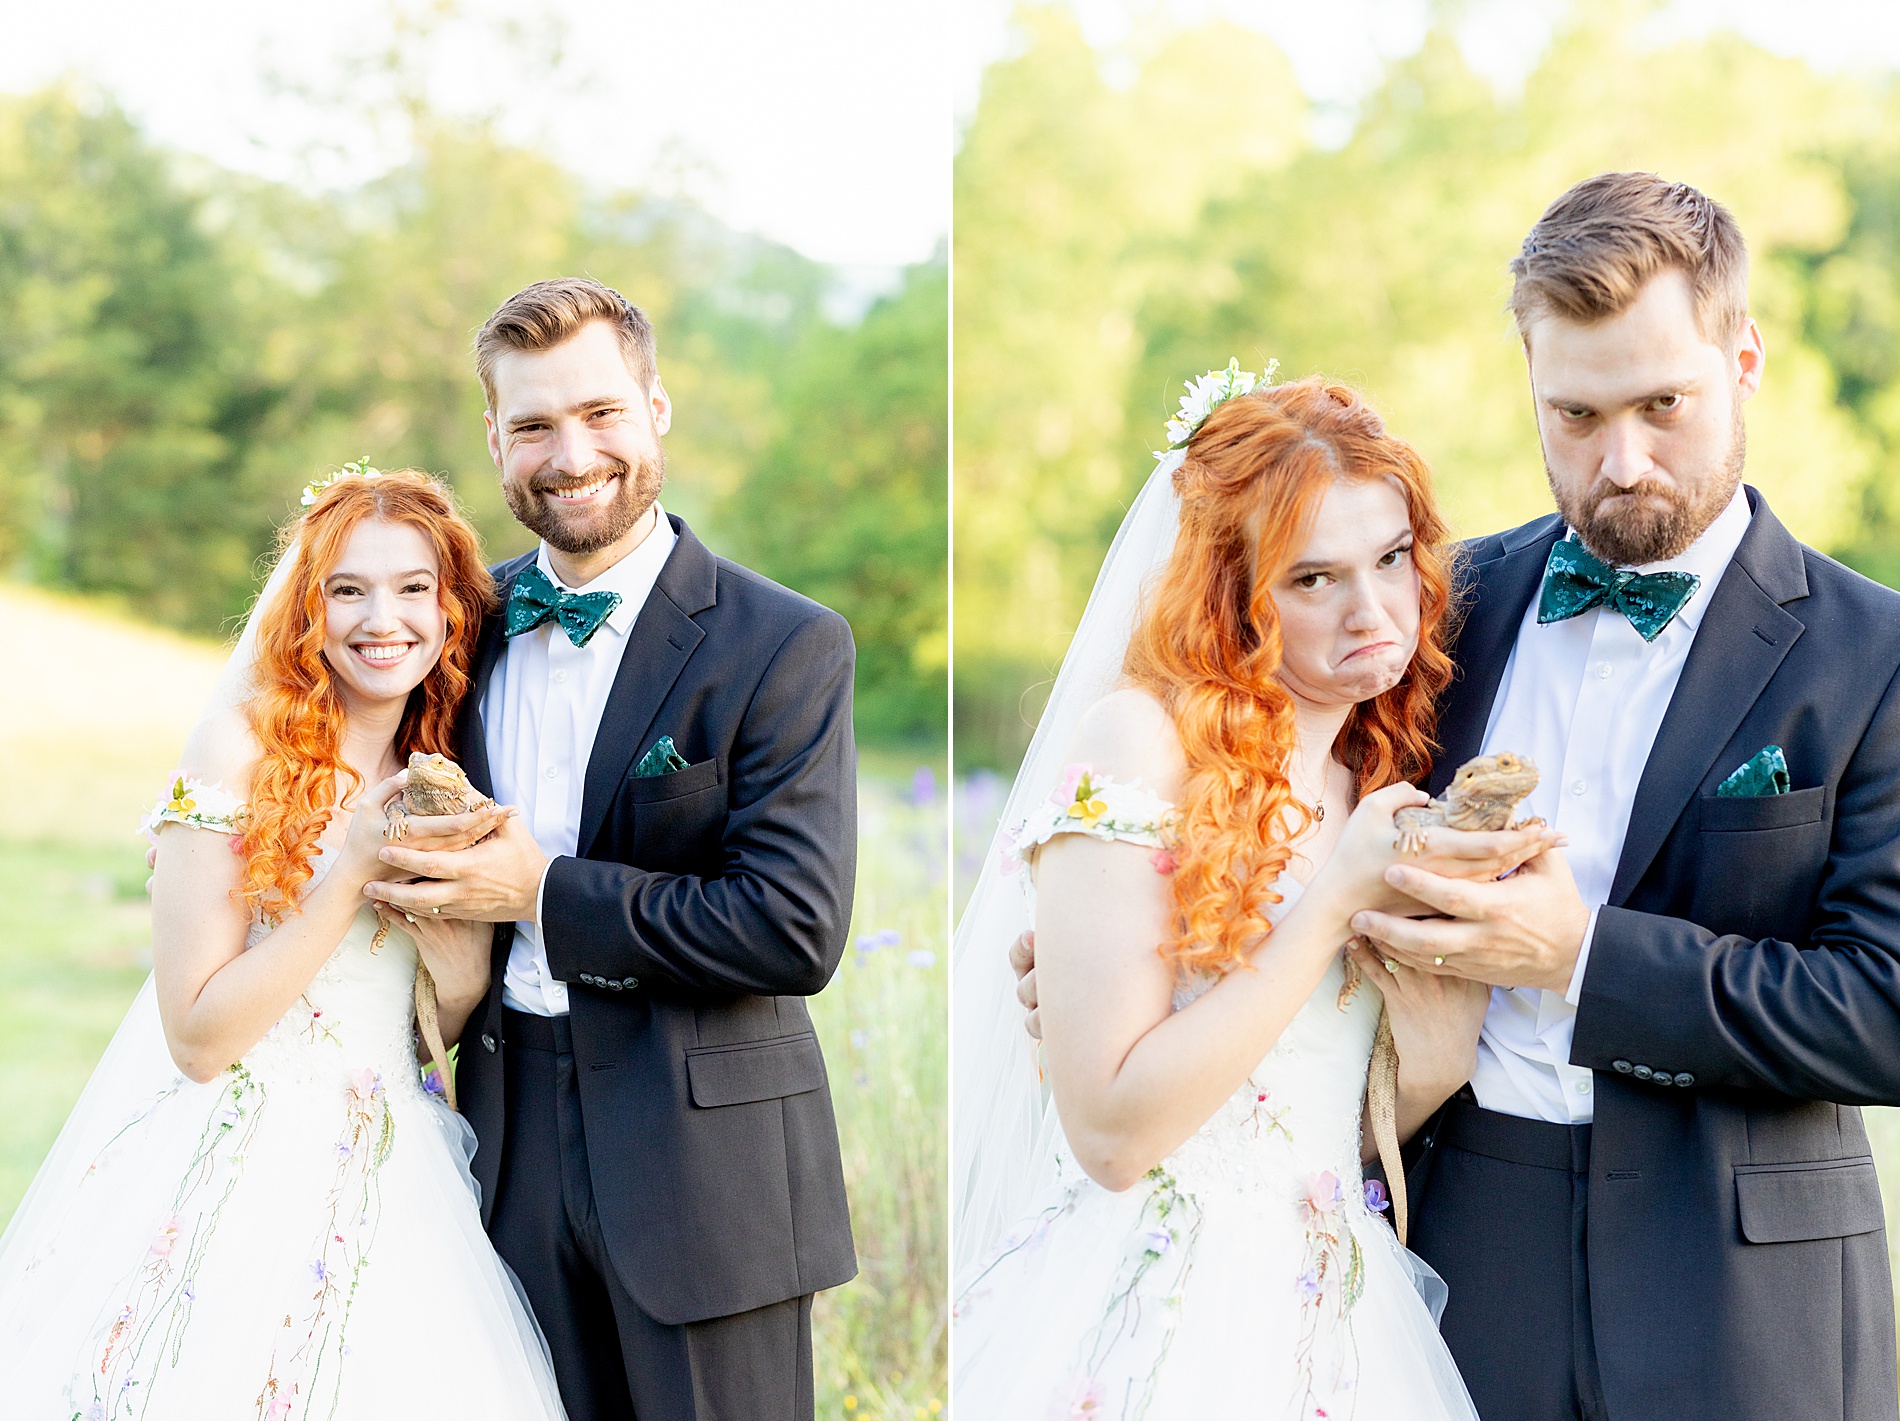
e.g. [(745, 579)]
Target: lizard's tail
[(1382, 1099), (427, 1019)]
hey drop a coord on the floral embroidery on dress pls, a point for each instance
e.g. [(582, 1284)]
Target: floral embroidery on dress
[(154, 1309), (304, 1368), (1123, 1355), (1331, 1280), (196, 804), (1084, 802)]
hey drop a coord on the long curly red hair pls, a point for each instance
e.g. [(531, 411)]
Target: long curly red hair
[(1208, 646), (297, 713)]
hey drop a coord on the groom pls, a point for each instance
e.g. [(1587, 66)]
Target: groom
[(658, 1158), (1655, 1197)]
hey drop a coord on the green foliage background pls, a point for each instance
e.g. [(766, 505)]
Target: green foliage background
[(1121, 227), (186, 347)]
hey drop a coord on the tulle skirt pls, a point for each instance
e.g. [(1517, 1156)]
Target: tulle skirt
[(1169, 1303), (271, 1244)]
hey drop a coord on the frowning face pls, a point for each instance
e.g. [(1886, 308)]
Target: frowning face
[(1348, 603), (1640, 416)]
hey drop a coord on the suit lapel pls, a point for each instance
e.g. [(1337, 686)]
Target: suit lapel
[(1743, 638), (1505, 585), (659, 644), (471, 733)]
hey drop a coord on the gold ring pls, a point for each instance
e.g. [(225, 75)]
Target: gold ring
[(1436, 961), (410, 916), (1392, 967)]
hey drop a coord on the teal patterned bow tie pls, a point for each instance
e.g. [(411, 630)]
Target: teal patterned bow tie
[(1575, 581), (535, 599)]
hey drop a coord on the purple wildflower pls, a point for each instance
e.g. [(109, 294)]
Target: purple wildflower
[(1375, 1196)]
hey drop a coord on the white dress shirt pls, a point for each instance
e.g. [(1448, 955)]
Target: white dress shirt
[(541, 712), (1584, 699)]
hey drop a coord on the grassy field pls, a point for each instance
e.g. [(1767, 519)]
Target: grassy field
[(83, 751)]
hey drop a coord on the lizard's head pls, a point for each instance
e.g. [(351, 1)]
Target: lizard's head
[(1504, 777), (433, 769)]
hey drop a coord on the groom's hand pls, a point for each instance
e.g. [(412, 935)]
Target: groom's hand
[(495, 881), (1022, 961), (1521, 931)]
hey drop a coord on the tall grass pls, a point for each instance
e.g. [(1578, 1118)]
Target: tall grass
[(880, 1340)]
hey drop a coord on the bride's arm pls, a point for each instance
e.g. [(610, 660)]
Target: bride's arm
[(1133, 1080), (215, 999)]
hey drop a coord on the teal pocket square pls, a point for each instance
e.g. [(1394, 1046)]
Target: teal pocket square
[(663, 759), (1765, 773)]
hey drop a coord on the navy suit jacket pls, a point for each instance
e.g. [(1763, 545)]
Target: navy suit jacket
[(701, 910), (1742, 995)]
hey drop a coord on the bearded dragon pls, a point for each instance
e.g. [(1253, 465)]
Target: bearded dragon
[(436, 785), (1482, 797)]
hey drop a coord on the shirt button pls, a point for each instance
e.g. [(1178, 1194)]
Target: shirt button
[(1605, 670), (1576, 786), (1583, 1086), (560, 676), (551, 772)]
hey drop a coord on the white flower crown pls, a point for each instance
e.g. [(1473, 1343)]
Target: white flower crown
[(1203, 397), (360, 469)]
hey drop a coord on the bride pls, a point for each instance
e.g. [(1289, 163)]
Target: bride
[(257, 1209), (1186, 1233)]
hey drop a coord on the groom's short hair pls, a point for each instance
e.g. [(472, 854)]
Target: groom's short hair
[(1598, 245), (541, 316)]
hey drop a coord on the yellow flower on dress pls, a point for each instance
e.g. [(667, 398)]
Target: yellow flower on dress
[(181, 803), (1088, 805)]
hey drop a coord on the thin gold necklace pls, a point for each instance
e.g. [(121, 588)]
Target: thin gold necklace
[(1318, 805)]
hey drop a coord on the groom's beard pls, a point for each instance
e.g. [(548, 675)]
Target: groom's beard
[(1633, 534), (578, 531)]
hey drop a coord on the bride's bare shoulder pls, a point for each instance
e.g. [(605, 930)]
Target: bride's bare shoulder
[(222, 750), (1129, 735)]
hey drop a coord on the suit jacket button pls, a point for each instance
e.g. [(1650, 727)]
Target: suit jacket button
[(488, 1043), (590, 979), (613, 986), (631, 982), (1642, 1073), (1684, 1078), (1622, 1068)]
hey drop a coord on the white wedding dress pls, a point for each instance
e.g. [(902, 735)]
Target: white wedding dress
[(297, 1238), (1243, 1276)]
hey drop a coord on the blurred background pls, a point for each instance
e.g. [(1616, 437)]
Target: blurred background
[(240, 245), (1144, 190)]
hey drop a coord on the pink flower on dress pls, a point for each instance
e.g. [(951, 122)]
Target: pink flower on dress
[(1323, 1192), (366, 1084), (1163, 861), (167, 1236), (1072, 775)]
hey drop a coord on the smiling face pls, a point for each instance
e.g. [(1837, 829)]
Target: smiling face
[(577, 440), (1640, 416), (1348, 603), (383, 626)]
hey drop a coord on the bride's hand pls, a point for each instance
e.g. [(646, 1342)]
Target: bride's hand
[(455, 950), (1369, 846), (1435, 1021), (367, 835)]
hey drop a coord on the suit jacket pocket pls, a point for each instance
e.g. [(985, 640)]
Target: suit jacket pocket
[(1739, 813), (757, 1070), (651, 789), (1790, 1203)]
